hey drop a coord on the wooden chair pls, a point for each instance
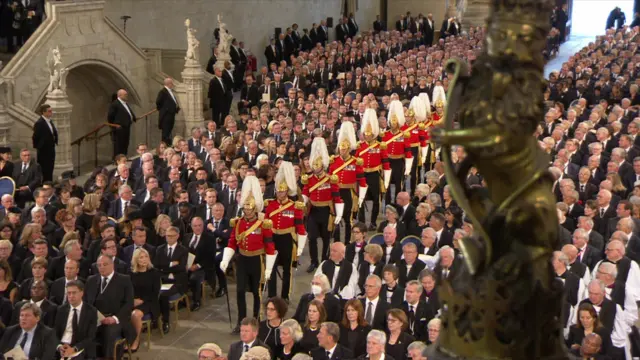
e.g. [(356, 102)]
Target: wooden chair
[(147, 325), (121, 342), (174, 302)]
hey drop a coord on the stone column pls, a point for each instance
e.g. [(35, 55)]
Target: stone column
[(476, 13), (5, 120), (191, 108), (61, 107)]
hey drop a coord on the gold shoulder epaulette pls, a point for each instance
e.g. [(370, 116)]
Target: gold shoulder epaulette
[(300, 205), (421, 126), (359, 162), (266, 202), (267, 224), (358, 144), (304, 179), (233, 221), (406, 134), (383, 145), (334, 179), (332, 159)]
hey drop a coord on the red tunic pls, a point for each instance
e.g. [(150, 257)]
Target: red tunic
[(258, 242), (375, 158), (417, 137), (398, 148), (350, 174), (287, 221), (323, 195)]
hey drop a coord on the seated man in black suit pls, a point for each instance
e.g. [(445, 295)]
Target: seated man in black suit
[(329, 349), (72, 252), (220, 228), (375, 308), (202, 245), (111, 293), (58, 293), (248, 339), (449, 265), (418, 312), (76, 324), (109, 247), (443, 237), (39, 292), (36, 340), (171, 261), (410, 266)]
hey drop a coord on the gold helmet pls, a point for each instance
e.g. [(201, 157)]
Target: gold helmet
[(346, 137), (319, 155), (419, 109), (286, 179), (369, 125), (396, 113), (252, 194)]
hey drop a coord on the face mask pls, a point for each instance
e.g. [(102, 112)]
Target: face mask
[(316, 290)]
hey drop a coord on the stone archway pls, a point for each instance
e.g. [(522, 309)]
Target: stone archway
[(91, 85)]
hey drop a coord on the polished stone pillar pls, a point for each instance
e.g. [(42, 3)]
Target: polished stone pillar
[(61, 118)]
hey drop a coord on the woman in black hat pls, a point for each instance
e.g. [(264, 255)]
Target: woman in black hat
[(6, 166)]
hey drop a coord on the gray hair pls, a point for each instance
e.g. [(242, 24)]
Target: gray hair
[(432, 175), (377, 335), (123, 188), (301, 356), (435, 199), (410, 245), (376, 278), (608, 268), (69, 245), (416, 283), (417, 345), (332, 329), (36, 209), (294, 329), (434, 322), (324, 280)]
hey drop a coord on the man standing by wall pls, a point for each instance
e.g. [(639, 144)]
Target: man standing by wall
[(167, 105), (45, 140), (120, 113)]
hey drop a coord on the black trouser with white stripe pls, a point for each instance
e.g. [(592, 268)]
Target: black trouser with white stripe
[(318, 226), (284, 247), (347, 197), (249, 274)]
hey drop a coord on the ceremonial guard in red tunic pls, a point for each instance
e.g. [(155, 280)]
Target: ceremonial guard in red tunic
[(289, 233), (348, 169), (321, 192), (398, 148), (374, 161), (415, 130), (252, 237)]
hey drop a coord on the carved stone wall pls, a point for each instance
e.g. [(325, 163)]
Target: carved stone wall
[(100, 59)]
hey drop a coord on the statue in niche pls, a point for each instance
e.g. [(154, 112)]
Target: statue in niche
[(225, 38), (193, 45), (57, 71)]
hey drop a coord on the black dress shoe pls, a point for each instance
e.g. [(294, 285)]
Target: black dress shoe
[(221, 292), (195, 306), (312, 267), (165, 328), (236, 330)]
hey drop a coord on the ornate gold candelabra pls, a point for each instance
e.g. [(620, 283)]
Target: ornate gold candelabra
[(505, 305)]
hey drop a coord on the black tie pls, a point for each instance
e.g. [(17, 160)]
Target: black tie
[(581, 188), (74, 325), (215, 224), (23, 343), (24, 168), (232, 196), (369, 315), (329, 354), (104, 284), (601, 212), (246, 348), (412, 317), (170, 253)]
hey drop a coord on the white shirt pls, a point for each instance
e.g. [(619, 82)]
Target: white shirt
[(374, 304), (126, 108), (330, 352), (172, 96), (244, 346), (48, 121), (438, 236), (124, 204), (68, 330)]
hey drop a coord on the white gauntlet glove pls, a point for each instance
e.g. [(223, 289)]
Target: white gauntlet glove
[(407, 166), (387, 178), (362, 194), (339, 212), (227, 255), (302, 239), (271, 261), (424, 151)]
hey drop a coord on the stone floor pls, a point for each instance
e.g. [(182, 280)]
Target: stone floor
[(568, 49)]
